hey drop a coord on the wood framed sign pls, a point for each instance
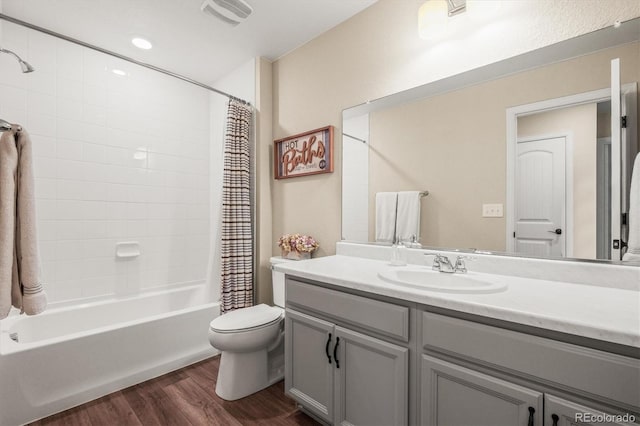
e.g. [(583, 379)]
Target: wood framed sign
[(305, 154)]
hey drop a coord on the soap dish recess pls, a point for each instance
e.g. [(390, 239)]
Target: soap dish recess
[(127, 249)]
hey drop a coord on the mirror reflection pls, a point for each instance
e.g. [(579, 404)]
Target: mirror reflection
[(520, 163)]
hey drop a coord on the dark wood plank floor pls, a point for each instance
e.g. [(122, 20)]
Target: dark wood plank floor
[(183, 397)]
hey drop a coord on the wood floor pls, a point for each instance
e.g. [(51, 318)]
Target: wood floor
[(184, 397)]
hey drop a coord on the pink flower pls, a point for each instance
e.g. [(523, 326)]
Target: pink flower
[(297, 242)]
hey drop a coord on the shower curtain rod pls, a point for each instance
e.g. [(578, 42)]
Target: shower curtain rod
[(117, 55), (353, 137)]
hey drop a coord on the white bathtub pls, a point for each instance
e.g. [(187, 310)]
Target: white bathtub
[(69, 356)]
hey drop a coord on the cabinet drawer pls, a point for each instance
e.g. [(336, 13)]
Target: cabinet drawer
[(611, 376), (381, 317)]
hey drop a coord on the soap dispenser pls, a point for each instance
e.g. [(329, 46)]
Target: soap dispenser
[(398, 253)]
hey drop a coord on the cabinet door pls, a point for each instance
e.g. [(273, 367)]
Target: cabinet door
[(308, 376), (371, 380), (560, 412), (455, 396)]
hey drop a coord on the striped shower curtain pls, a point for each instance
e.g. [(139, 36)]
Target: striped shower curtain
[(237, 239)]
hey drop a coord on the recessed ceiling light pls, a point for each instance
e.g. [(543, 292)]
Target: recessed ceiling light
[(141, 43), (118, 72)]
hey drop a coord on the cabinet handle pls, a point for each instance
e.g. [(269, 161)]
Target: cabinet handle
[(531, 412), (555, 419), (335, 352), (326, 348)]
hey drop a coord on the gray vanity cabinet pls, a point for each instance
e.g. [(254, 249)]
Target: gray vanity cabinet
[(560, 412), (477, 374), (454, 395), (308, 374), (371, 380), (343, 376), (354, 358)]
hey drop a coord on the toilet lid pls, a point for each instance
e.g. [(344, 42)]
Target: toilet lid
[(245, 318)]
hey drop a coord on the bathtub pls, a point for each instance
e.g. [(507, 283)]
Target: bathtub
[(68, 356)]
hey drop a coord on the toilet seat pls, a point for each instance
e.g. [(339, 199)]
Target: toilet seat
[(246, 319)]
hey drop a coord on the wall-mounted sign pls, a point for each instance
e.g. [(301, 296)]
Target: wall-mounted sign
[(305, 154)]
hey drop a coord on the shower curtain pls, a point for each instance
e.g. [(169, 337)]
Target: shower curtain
[(236, 235)]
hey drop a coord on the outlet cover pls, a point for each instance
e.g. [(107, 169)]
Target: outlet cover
[(492, 210)]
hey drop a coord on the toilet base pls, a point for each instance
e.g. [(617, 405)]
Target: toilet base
[(242, 374)]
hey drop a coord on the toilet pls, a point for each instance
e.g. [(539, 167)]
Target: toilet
[(251, 341)]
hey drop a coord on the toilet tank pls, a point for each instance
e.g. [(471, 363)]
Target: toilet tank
[(277, 278)]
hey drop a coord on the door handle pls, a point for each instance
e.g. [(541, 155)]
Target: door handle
[(557, 231), (326, 348), (531, 413)]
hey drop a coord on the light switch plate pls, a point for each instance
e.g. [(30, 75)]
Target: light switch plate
[(492, 210)]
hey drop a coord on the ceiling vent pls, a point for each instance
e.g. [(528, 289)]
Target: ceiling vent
[(231, 12)]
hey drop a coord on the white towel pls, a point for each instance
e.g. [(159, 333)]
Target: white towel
[(633, 250), (386, 206), (408, 217), (20, 283)]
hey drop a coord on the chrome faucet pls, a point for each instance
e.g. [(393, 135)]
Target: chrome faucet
[(441, 263)]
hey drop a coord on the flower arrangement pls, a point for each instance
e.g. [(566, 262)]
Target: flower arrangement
[(296, 246)]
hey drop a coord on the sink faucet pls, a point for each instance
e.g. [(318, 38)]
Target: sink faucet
[(441, 263)]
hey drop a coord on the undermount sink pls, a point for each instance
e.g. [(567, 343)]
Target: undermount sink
[(421, 277)]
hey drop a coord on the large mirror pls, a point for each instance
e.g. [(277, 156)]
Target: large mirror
[(498, 148)]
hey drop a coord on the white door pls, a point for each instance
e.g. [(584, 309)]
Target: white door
[(540, 197)]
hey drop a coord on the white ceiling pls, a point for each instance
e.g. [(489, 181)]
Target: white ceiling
[(187, 41)]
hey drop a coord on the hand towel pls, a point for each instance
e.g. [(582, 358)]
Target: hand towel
[(20, 283), (408, 217), (386, 205), (633, 243)]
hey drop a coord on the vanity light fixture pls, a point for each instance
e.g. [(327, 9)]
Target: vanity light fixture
[(141, 43), (433, 14)]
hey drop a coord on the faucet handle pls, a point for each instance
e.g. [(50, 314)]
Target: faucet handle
[(460, 265), (436, 260)]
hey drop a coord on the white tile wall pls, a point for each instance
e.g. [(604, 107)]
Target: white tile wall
[(117, 158)]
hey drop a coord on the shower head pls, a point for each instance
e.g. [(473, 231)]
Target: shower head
[(26, 67)]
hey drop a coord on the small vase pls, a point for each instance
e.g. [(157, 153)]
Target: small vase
[(295, 255)]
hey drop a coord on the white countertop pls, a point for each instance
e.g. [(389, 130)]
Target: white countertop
[(603, 313)]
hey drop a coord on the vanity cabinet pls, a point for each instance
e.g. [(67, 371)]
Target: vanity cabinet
[(340, 375), (561, 412), (356, 358), (476, 374), (455, 395), (308, 370)]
